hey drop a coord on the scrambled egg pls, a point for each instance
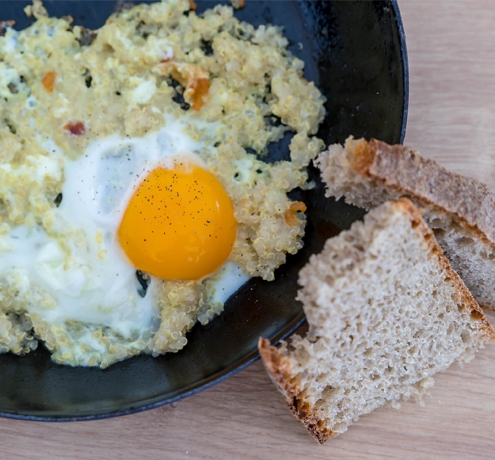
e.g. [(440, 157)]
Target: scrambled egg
[(232, 88)]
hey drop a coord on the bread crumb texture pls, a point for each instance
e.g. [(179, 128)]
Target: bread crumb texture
[(385, 312), (460, 210)]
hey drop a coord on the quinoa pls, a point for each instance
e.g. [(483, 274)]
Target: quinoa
[(239, 89)]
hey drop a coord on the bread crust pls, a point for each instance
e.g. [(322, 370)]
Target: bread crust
[(281, 373), (469, 303), (427, 182)]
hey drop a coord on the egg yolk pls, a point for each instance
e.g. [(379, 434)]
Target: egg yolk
[(179, 224)]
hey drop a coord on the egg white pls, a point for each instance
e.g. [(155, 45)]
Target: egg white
[(79, 261)]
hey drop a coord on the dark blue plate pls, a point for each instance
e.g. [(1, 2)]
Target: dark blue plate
[(355, 52)]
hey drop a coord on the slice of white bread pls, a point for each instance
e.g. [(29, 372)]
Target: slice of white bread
[(460, 210), (386, 312)]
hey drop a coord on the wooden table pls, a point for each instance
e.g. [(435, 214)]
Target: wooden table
[(451, 45)]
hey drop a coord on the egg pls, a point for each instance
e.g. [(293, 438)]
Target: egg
[(157, 199), (129, 204)]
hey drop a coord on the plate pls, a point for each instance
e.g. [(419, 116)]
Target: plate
[(355, 53)]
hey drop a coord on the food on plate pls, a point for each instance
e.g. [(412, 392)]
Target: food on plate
[(134, 199), (460, 210), (386, 312)]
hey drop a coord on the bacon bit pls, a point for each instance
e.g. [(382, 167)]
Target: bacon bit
[(194, 78), (238, 4), (75, 128), (290, 213), (199, 92), (48, 81), (192, 5)]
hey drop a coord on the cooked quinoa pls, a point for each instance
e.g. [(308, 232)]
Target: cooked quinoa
[(237, 87)]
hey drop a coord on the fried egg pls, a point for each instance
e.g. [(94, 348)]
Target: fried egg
[(175, 220), (129, 204)]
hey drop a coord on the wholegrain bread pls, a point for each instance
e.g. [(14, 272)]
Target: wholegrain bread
[(386, 312), (460, 210)]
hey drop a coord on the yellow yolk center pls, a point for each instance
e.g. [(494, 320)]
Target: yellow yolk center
[(179, 224)]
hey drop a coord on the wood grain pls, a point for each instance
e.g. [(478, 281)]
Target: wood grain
[(452, 119)]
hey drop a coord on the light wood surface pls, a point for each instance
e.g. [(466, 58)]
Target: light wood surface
[(451, 45)]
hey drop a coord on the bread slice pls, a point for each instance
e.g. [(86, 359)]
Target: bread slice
[(385, 312), (460, 210)]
